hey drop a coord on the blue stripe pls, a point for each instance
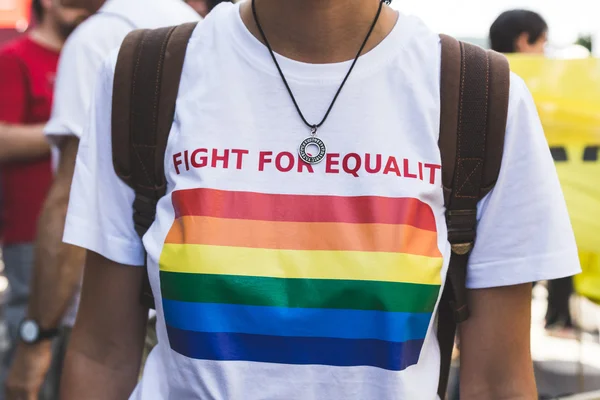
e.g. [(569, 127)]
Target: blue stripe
[(295, 350), (301, 322)]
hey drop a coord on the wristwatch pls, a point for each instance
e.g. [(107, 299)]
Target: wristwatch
[(31, 333)]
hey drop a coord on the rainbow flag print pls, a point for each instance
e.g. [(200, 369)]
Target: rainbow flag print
[(299, 279)]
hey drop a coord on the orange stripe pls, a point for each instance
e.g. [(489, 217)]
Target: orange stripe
[(303, 235)]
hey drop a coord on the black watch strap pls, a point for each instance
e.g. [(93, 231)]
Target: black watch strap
[(31, 333), (48, 334)]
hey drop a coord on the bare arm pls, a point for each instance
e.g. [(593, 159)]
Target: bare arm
[(57, 273), (22, 142), (495, 358), (58, 266), (105, 351)]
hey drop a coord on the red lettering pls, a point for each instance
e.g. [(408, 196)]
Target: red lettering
[(392, 166), (240, 155), (216, 158), (330, 163), (290, 163), (187, 160), (203, 159), (432, 169), (377, 164), (177, 162), (407, 174), (357, 164), (302, 165), (262, 159), (420, 170)]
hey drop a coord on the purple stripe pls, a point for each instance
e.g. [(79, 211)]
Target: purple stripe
[(295, 350)]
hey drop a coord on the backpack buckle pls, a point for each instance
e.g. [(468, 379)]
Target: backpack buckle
[(462, 249), (461, 230)]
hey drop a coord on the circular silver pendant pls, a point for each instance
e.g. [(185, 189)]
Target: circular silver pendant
[(310, 159)]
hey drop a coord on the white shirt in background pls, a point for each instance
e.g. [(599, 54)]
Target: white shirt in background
[(82, 57)]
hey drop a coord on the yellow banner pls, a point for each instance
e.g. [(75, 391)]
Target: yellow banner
[(567, 95)]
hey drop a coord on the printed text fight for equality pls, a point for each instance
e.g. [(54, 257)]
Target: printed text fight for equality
[(352, 163)]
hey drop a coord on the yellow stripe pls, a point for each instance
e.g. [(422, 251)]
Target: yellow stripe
[(314, 264)]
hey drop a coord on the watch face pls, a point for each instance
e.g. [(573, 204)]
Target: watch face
[(29, 331)]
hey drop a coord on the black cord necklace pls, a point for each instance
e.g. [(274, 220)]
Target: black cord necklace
[(313, 139)]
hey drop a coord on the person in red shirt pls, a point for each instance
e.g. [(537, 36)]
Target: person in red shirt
[(27, 69)]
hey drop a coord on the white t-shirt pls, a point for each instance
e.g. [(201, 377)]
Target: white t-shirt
[(86, 49), (279, 280), (82, 58)]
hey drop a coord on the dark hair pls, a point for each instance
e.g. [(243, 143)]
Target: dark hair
[(511, 24), (38, 10)]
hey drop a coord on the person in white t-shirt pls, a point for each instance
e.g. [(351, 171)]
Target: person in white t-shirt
[(59, 266), (270, 273)]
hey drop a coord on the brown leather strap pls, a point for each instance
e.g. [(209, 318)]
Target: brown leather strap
[(145, 91), (121, 101), (474, 106), (449, 105), (499, 88), (474, 98)]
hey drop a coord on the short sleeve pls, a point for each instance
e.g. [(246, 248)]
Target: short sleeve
[(99, 216), (75, 77), (524, 233), (13, 89)]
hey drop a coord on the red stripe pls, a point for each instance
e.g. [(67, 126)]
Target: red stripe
[(303, 208)]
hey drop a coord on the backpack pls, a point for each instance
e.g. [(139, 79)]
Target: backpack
[(474, 107)]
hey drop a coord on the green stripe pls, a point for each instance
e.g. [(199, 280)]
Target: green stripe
[(299, 293)]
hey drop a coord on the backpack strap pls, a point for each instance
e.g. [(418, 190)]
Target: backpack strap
[(145, 88), (474, 106)]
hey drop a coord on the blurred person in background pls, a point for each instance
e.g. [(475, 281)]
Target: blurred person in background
[(58, 266), (203, 7), (522, 31), (519, 31), (27, 71)]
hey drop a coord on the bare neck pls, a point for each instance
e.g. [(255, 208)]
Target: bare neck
[(94, 5), (319, 31), (47, 35)]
